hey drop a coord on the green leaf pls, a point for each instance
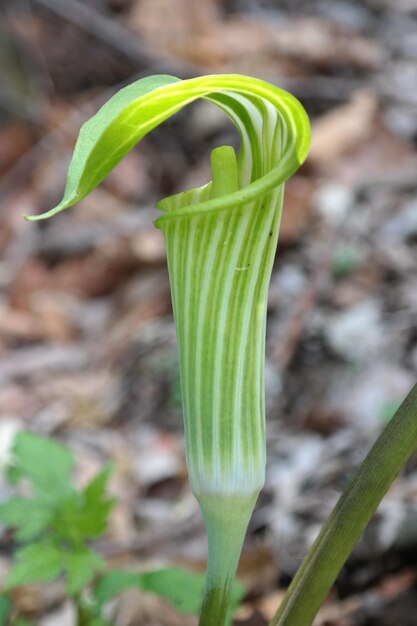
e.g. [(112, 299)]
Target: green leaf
[(84, 515), (66, 520), (111, 584), (39, 562), (184, 590), (28, 517), (45, 463), (81, 567), (5, 609), (96, 505)]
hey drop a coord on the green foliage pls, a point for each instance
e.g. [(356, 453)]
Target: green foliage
[(57, 521), (184, 590), (81, 567), (46, 464), (37, 562), (112, 584), (83, 515), (59, 517), (5, 609), (29, 517)]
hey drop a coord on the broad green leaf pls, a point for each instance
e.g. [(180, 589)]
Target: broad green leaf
[(80, 568), (96, 505), (84, 515), (5, 609), (45, 463), (112, 584), (65, 524), (29, 517), (184, 590), (39, 562)]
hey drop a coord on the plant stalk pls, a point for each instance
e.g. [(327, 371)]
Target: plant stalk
[(349, 518), (226, 520), (83, 617)]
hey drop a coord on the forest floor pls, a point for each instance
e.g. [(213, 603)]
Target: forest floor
[(87, 343)]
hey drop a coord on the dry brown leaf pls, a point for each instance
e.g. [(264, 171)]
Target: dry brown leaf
[(234, 41), (257, 569), (382, 156), (130, 179), (324, 44), (196, 33), (268, 606), (297, 204), (15, 140), (342, 130), (148, 246), (46, 323)]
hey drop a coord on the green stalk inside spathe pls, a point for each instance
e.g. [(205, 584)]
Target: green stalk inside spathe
[(221, 240)]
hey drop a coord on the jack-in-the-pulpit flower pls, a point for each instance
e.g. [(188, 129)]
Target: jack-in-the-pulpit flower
[(221, 240)]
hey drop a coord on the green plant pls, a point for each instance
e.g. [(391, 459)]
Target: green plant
[(57, 521), (221, 241), (54, 526)]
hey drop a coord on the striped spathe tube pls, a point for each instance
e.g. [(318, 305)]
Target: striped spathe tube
[(221, 240)]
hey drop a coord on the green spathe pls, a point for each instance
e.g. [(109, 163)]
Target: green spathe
[(220, 265), (221, 240)]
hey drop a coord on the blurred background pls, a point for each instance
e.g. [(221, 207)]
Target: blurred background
[(87, 344)]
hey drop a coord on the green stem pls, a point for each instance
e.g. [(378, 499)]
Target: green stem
[(226, 519), (349, 518), (84, 615)]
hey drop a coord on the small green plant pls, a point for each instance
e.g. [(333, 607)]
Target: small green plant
[(57, 521), (55, 526), (221, 240)]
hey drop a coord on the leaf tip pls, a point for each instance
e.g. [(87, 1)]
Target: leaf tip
[(35, 218)]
